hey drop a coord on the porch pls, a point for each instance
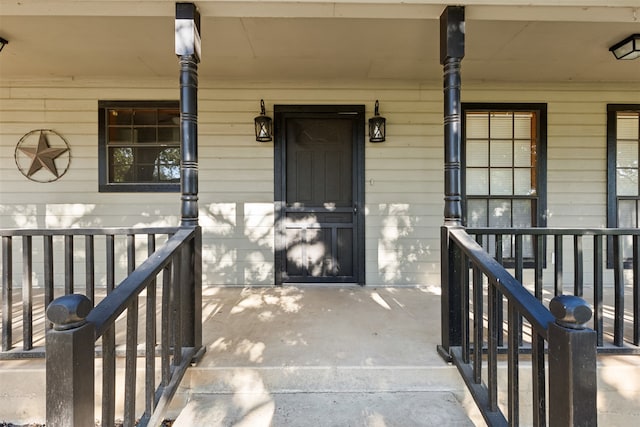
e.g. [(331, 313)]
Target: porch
[(318, 356)]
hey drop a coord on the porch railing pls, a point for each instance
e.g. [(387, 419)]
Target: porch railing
[(475, 287), (70, 343), (600, 265), (49, 264)]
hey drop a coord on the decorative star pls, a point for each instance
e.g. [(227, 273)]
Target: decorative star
[(43, 156)]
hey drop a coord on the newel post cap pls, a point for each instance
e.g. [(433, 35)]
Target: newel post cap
[(69, 311), (570, 311)]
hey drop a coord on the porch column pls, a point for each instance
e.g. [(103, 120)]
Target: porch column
[(187, 38), (451, 54)]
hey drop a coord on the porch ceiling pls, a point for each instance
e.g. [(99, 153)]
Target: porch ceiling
[(535, 44)]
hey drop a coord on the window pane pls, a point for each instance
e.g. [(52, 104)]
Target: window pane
[(627, 182), (522, 125), (121, 160), (501, 126), (478, 153), (522, 213), (627, 155), (168, 173), (501, 154), (477, 181), (477, 125), (522, 154), (120, 116), (627, 126), (144, 135), (477, 213), (500, 213), (169, 134), (522, 182), (627, 214), (501, 182), (145, 117), (168, 117), (120, 135)]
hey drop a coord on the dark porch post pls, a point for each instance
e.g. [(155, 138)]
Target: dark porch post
[(187, 39), (188, 52), (451, 54)]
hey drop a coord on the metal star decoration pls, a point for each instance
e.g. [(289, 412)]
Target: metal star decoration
[(43, 156)]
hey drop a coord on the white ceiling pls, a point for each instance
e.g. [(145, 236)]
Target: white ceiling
[(383, 43)]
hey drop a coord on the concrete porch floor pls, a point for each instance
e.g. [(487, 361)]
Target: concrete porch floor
[(322, 356)]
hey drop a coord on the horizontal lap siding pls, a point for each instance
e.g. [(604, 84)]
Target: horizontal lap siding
[(403, 176)]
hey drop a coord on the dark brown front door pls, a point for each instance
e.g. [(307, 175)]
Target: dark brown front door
[(319, 227)]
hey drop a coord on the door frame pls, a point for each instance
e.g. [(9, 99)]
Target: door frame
[(281, 114)]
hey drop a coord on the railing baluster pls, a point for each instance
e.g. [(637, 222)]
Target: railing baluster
[(131, 253), (500, 314), (538, 378), (68, 264), (47, 242), (578, 284), (109, 343), (513, 374), (519, 267), (618, 285), (150, 338), (636, 290), (176, 303), (557, 248), (109, 376), (7, 293), (478, 319), (165, 339), (539, 266), (464, 301), (598, 275), (130, 365), (89, 270), (27, 295), (492, 356), (111, 263)]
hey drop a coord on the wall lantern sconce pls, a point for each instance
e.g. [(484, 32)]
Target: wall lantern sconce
[(377, 126), (628, 48), (264, 125), (3, 43)]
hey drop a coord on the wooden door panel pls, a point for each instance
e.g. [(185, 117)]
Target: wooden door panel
[(318, 217)]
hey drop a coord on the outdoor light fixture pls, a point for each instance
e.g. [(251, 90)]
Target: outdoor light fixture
[(628, 48), (264, 125), (377, 125), (3, 43)]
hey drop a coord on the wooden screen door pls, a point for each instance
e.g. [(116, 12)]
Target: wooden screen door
[(319, 180)]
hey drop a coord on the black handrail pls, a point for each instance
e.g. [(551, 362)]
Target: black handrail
[(70, 343), (40, 261), (525, 303), (107, 311), (557, 254), (472, 280)]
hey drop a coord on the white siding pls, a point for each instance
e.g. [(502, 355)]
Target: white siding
[(404, 178)]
